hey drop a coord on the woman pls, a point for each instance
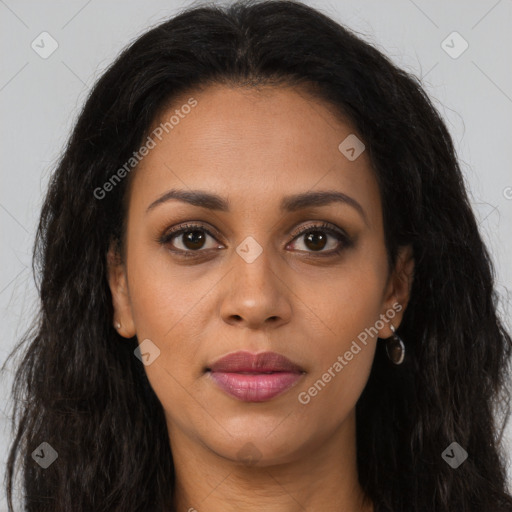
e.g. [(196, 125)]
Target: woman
[(262, 286)]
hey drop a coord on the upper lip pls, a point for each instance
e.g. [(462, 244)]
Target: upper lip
[(257, 363)]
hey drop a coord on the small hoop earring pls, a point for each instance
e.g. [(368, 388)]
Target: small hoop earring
[(395, 347)]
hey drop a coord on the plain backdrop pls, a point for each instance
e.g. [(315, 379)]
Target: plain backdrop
[(467, 74)]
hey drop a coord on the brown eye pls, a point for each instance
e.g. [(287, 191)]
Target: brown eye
[(315, 240), (188, 239), (193, 239), (317, 237)]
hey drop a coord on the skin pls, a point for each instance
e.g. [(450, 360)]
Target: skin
[(254, 147)]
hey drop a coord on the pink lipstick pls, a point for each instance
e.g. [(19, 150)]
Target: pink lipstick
[(254, 377)]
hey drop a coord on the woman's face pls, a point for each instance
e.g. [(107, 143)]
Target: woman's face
[(242, 278)]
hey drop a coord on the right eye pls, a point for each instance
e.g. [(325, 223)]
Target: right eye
[(193, 237)]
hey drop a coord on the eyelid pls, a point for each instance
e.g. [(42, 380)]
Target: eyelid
[(320, 225)]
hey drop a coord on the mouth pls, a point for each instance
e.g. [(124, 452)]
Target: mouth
[(254, 377)]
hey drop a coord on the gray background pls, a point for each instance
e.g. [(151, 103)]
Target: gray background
[(40, 100)]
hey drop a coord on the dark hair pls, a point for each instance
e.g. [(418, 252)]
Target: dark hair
[(79, 386)]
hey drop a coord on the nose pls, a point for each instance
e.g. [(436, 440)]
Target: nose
[(255, 294)]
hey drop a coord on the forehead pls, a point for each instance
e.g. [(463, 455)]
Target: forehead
[(253, 145)]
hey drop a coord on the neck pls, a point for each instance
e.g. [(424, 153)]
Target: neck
[(322, 477)]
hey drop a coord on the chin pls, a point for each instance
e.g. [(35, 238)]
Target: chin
[(259, 449)]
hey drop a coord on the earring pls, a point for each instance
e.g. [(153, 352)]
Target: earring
[(117, 325), (395, 347)]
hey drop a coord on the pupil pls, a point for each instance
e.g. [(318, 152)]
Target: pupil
[(194, 239), (314, 237)]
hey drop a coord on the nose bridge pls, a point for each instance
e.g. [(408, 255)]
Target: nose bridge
[(255, 232), (255, 289), (252, 265), (256, 258)]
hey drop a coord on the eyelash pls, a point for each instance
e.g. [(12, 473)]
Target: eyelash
[(345, 241)]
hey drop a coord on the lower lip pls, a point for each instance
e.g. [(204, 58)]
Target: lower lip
[(256, 387)]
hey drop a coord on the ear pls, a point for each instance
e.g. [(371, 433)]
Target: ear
[(398, 291), (118, 283)]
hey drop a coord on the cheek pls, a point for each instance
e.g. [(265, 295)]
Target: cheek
[(343, 351), (349, 300), (172, 305), (343, 331), (164, 295), (168, 309)]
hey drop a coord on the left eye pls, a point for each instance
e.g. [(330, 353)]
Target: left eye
[(316, 240)]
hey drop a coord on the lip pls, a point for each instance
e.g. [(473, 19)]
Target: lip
[(254, 377)]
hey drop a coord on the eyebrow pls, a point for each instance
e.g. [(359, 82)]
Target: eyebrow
[(290, 203)]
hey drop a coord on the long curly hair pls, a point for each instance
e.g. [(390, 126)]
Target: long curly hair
[(78, 386)]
